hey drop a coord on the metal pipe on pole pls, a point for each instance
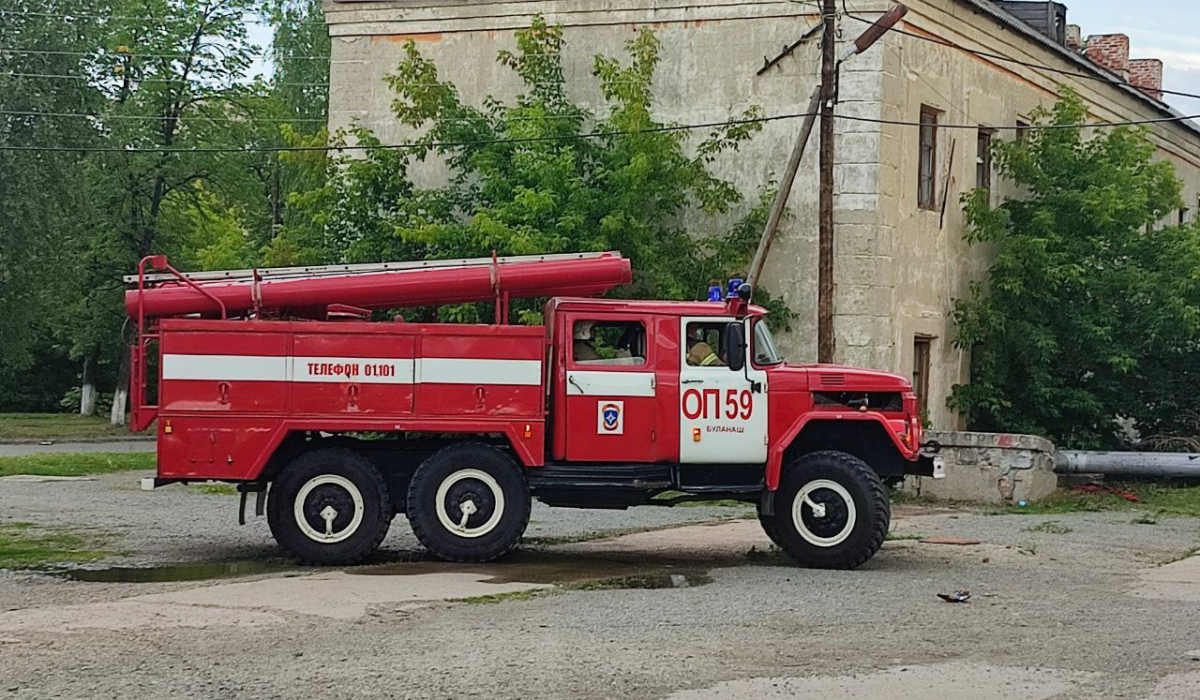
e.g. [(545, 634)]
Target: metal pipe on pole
[(1144, 464)]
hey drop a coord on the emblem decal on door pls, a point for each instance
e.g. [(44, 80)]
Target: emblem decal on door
[(610, 417)]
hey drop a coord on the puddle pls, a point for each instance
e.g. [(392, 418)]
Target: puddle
[(575, 571), (644, 581), (172, 572)]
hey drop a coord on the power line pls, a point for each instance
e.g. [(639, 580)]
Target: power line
[(1000, 57), (594, 134), (72, 16), (54, 76), (123, 54), (155, 117)]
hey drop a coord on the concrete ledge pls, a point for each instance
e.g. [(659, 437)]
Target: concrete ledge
[(990, 467)]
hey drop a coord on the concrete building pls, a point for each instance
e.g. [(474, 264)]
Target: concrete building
[(900, 255)]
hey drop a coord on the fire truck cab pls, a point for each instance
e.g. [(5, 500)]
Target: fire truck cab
[(337, 424)]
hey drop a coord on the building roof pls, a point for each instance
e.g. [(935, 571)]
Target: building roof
[(1008, 20)]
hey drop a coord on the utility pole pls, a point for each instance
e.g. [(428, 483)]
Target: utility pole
[(829, 72), (820, 102)]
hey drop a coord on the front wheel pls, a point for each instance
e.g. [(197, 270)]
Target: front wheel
[(469, 503), (831, 511)]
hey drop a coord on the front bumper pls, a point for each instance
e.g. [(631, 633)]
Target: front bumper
[(927, 465)]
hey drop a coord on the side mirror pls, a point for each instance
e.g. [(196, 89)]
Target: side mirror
[(735, 346)]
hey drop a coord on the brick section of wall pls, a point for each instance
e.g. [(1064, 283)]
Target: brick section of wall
[(1074, 37), (1110, 51), (1146, 74)]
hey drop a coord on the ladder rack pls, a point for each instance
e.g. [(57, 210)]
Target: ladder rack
[(316, 271)]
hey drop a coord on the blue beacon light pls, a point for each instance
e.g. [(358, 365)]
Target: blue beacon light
[(714, 293), (734, 284)]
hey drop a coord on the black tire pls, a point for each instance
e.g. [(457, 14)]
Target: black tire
[(329, 478), (769, 526), (851, 531), (496, 519)]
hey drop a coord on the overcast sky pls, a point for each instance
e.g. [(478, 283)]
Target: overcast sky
[(1164, 29)]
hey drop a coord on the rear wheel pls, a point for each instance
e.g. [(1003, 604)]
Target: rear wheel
[(469, 503), (330, 507), (831, 511)]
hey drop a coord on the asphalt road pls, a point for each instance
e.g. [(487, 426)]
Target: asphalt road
[(1088, 607), (22, 449)]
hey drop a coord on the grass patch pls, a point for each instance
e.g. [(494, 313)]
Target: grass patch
[(1160, 498), (57, 426), (76, 464), (215, 489), (1053, 527), (24, 546), (500, 597)]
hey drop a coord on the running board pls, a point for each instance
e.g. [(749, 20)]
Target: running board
[(633, 477)]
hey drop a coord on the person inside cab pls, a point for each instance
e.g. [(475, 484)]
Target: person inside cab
[(700, 352), (584, 347)]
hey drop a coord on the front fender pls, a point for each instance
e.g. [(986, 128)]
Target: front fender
[(780, 446)]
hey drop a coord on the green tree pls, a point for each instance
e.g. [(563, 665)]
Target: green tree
[(42, 190), (1091, 309)]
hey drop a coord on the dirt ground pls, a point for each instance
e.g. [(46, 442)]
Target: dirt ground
[(1092, 605)]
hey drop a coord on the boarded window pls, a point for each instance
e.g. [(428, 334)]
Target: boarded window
[(983, 160), (920, 372), (927, 172)]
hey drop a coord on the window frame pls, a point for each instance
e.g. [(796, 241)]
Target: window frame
[(683, 345), (927, 143), (983, 159), (646, 322), (922, 367)]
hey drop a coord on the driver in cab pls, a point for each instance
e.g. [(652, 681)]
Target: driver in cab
[(700, 353)]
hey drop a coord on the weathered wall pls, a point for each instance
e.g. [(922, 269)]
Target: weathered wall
[(711, 51), (990, 468), (898, 267), (933, 264)]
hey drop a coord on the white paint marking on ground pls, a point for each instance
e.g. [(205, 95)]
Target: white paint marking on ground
[(337, 594), (1175, 581), (957, 680)]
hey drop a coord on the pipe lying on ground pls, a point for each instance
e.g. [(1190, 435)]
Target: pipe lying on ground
[(1176, 464)]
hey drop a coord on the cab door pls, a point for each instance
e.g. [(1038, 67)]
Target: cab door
[(611, 391), (723, 412)]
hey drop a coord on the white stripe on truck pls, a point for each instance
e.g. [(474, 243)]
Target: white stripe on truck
[(351, 370)]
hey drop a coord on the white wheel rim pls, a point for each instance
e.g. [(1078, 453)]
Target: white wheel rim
[(328, 513), (804, 501), (456, 522)]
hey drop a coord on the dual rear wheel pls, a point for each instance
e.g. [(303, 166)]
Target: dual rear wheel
[(466, 503)]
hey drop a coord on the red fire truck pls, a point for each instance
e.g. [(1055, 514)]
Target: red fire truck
[(279, 381)]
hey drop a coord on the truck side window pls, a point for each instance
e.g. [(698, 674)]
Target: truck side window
[(704, 344), (608, 343)]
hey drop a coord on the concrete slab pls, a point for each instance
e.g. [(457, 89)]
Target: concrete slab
[(127, 615), (703, 543), (1175, 581), (337, 594), (960, 681)]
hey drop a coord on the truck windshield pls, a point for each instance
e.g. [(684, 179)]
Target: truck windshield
[(765, 352)]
